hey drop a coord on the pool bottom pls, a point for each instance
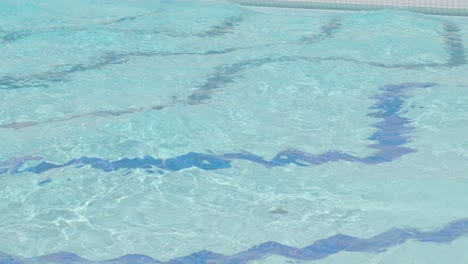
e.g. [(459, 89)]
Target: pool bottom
[(230, 128)]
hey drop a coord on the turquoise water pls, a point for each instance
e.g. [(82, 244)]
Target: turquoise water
[(164, 128)]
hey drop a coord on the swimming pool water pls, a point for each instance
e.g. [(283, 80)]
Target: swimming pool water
[(206, 132)]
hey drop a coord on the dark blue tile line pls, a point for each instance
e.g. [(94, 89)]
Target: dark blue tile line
[(103, 113), (226, 27), (391, 136), (227, 74), (14, 164), (327, 31), (454, 43), (393, 129), (10, 37), (416, 66), (113, 113), (317, 250), (224, 74), (60, 74), (14, 36), (130, 18), (452, 38)]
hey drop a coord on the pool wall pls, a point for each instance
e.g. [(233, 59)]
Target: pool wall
[(434, 7)]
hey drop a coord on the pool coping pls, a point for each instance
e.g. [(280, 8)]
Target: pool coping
[(432, 7)]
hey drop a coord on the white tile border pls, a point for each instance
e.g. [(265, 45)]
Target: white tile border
[(434, 7)]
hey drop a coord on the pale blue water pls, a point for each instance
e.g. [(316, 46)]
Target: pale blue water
[(206, 132)]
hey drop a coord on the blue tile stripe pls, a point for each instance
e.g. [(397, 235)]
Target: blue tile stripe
[(452, 39), (317, 250), (455, 46), (451, 35), (227, 26), (224, 27), (222, 76), (327, 31), (61, 74), (391, 136)]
